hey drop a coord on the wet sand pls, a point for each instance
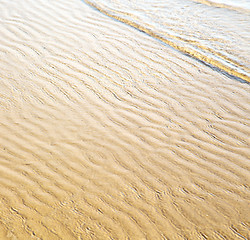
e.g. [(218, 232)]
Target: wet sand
[(107, 133)]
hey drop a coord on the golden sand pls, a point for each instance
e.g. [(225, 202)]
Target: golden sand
[(105, 133)]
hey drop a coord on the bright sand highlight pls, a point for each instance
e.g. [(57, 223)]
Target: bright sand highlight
[(106, 133)]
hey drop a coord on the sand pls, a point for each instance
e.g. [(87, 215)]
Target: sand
[(106, 133)]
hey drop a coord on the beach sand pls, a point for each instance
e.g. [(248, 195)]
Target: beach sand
[(107, 133)]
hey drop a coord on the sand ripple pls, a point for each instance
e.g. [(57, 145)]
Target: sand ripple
[(108, 134)]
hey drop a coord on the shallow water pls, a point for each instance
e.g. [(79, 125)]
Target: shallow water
[(108, 132), (215, 33)]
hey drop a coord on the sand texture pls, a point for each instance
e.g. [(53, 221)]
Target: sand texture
[(108, 133)]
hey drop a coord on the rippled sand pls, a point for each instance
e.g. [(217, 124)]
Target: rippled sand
[(106, 133)]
